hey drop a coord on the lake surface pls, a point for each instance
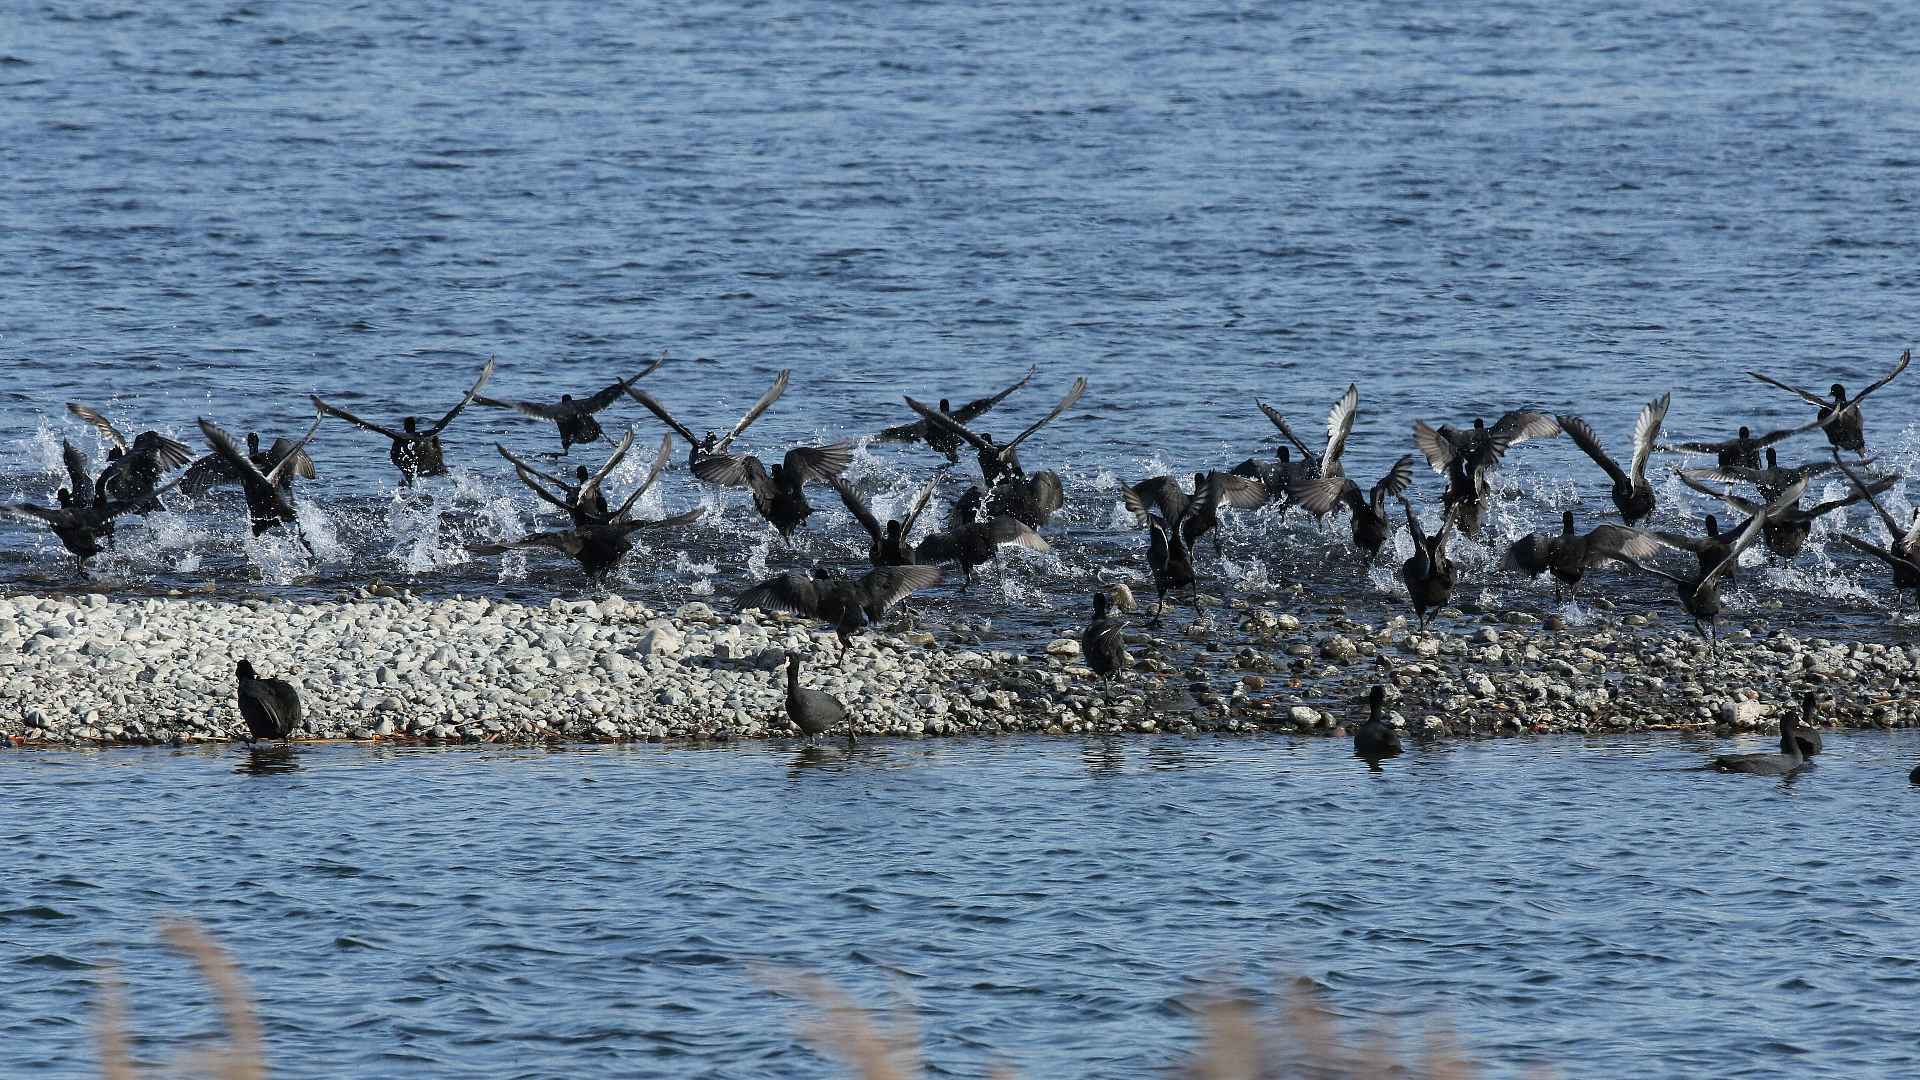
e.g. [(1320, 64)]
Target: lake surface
[(1057, 903), (217, 209)]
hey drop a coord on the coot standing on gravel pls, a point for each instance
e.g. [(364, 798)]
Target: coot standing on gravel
[(814, 712), (271, 707)]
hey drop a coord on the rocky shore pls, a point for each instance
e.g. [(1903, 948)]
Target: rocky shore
[(382, 665)]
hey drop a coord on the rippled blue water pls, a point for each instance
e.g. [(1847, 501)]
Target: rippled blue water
[(1055, 903), (217, 208)]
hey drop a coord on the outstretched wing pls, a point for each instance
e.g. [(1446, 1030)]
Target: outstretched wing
[(76, 463), (1280, 422), (1434, 446), (886, 586), (1645, 430), (1809, 398), (1898, 367), (1519, 425), (1340, 425), (857, 507), (99, 421), (1073, 394), (766, 401), (368, 425), (1583, 436), (972, 410), (820, 463), (441, 425), (653, 475)]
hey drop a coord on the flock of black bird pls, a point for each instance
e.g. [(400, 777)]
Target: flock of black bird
[(1011, 505)]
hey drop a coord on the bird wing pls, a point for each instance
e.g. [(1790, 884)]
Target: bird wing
[(1320, 494), (1003, 530), (888, 585), (1156, 492), (1583, 436), (660, 411), (485, 374), (537, 488), (1043, 488), (653, 475), (1898, 367), (291, 455), (759, 407), (1398, 479), (1280, 422), (76, 464), (519, 463), (1809, 398), (792, 592), (857, 507), (1340, 425), (1612, 541), (528, 408), (1745, 506), (592, 483), (167, 453), (919, 504), (368, 425), (1437, 448), (1519, 425), (1645, 430), (936, 418), (99, 421), (818, 462), (1073, 394), (973, 409), (59, 517)]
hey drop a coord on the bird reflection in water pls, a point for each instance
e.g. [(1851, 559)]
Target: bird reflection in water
[(265, 760)]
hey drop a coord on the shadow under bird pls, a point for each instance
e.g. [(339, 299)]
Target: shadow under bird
[(269, 493), (271, 707), (814, 712), (1468, 457), (1164, 494), (1010, 490), (1376, 738), (887, 546), (971, 542), (1845, 428), (850, 604), (574, 416), (416, 451), (1568, 555), (713, 445), (1103, 644), (941, 439), (134, 467), (1631, 492), (1786, 532), (597, 543), (1902, 553), (1700, 592), (80, 520), (1429, 575), (1786, 761)]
